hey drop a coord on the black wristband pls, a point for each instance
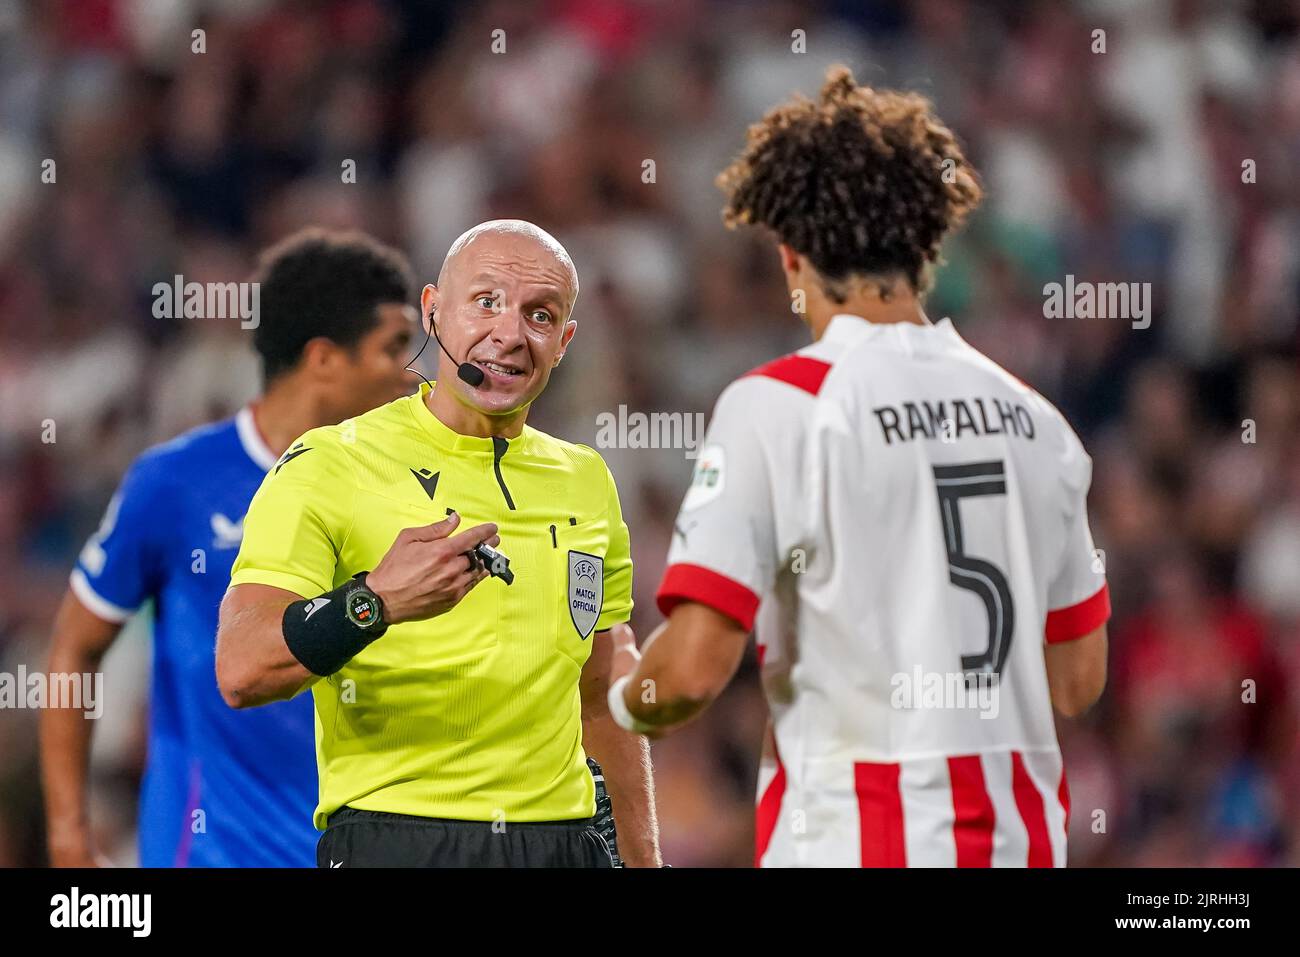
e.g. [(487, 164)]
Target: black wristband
[(328, 631)]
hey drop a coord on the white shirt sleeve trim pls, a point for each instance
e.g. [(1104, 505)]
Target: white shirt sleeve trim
[(101, 607)]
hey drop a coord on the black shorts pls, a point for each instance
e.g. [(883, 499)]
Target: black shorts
[(355, 838)]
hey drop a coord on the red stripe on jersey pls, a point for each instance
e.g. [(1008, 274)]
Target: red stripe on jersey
[(1030, 804), (769, 809), (802, 372), (1063, 794), (972, 826), (687, 582), (1066, 624), (880, 814)]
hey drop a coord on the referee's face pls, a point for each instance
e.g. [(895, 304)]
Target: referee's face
[(503, 306)]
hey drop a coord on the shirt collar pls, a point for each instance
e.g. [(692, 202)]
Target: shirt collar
[(445, 437), (847, 328), (255, 446)]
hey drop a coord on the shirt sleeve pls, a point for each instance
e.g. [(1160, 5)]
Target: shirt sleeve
[(1078, 599), (299, 518), (724, 552), (120, 565), (617, 605)]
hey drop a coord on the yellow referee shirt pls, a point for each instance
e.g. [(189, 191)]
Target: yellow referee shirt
[(475, 714)]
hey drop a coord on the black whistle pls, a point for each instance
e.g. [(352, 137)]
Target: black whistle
[(497, 565)]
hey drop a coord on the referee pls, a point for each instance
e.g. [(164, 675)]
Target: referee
[(454, 711)]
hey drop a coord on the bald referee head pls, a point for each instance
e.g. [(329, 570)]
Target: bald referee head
[(502, 303)]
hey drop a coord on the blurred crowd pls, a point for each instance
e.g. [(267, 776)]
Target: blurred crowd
[(1164, 149)]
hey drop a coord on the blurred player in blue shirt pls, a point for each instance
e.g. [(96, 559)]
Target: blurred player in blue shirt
[(223, 788)]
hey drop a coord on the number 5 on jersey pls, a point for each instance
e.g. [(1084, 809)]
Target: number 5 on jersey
[(985, 579)]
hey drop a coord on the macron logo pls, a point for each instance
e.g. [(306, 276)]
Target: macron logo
[(315, 605)]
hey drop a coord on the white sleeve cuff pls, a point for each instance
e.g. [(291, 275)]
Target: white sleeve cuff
[(618, 709), (94, 602)]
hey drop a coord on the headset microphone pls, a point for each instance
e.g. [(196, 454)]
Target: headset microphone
[(467, 372)]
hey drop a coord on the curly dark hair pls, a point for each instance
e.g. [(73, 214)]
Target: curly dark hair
[(863, 182), (321, 283)]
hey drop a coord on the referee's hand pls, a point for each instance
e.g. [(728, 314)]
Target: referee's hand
[(426, 571)]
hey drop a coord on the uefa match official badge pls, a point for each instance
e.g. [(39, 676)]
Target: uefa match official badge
[(586, 590)]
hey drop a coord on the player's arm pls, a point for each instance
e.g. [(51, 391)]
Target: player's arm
[(1076, 672), (117, 570), (80, 640), (624, 757), (1078, 599), (274, 642), (685, 665), (723, 557)]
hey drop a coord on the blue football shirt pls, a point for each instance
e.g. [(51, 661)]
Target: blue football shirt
[(222, 788)]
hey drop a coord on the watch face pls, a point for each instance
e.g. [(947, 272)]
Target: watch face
[(362, 608)]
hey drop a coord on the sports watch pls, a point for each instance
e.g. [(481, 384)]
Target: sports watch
[(363, 607)]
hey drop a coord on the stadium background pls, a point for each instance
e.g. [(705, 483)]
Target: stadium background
[(1118, 166)]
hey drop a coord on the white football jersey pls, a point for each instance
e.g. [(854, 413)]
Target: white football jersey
[(903, 524)]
